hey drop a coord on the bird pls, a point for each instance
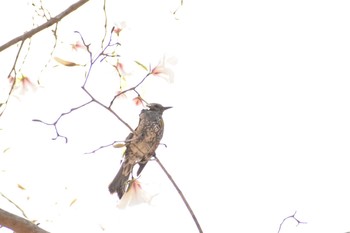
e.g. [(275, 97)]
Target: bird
[(140, 146)]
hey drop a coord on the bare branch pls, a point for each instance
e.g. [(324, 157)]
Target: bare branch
[(130, 89), (49, 23), (109, 109), (13, 69), (62, 114), (100, 54), (293, 217), (56, 130), (181, 194), (93, 99), (101, 147), (92, 62), (93, 59), (18, 224)]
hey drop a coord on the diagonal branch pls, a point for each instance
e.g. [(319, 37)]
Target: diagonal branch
[(49, 23), (18, 224), (108, 108), (181, 194)]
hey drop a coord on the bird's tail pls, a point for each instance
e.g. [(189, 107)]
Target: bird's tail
[(119, 183)]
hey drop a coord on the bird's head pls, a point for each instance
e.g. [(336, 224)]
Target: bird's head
[(157, 107)]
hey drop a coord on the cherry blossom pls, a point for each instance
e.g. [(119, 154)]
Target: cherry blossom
[(163, 70), (134, 195)]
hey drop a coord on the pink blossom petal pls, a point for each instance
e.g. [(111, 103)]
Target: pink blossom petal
[(135, 195)]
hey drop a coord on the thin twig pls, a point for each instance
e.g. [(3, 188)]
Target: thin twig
[(17, 206), (54, 31), (105, 26), (181, 194), (58, 135), (109, 109), (93, 60), (101, 147), (62, 114), (127, 90), (13, 69), (293, 217)]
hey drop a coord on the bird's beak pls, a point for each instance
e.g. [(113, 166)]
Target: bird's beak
[(165, 108)]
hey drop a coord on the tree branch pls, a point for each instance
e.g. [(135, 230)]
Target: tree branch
[(293, 217), (181, 194), (62, 114), (93, 60), (18, 224), (49, 23), (101, 147), (13, 69)]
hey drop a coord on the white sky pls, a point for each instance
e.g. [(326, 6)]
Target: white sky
[(259, 129)]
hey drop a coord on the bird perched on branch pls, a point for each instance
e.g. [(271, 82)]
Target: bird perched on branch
[(140, 146)]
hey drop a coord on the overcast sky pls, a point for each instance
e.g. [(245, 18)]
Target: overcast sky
[(259, 129)]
